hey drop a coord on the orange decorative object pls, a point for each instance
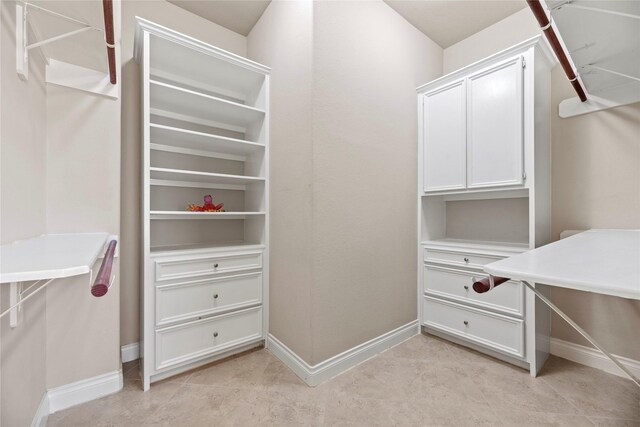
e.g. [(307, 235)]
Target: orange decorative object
[(208, 206)]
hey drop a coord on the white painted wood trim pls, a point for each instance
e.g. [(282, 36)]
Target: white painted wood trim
[(593, 358), (42, 413), (130, 352), (82, 391), (323, 371)]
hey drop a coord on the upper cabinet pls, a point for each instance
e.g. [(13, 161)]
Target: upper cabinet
[(476, 124), (445, 136), (494, 126)]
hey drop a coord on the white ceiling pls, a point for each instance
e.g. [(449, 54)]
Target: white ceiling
[(448, 22), (237, 15), (445, 22)]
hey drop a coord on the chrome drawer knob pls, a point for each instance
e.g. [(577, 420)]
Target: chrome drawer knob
[(466, 323), (466, 259), (215, 334), (215, 265), (215, 296)]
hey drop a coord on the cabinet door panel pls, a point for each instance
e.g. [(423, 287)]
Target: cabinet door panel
[(445, 138), (495, 126)]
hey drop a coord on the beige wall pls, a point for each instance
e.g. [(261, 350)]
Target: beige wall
[(343, 186), (367, 63), (22, 215), (163, 13), (283, 40), (82, 195), (60, 173), (595, 184)]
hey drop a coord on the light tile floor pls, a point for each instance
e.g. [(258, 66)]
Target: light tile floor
[(424, 381)]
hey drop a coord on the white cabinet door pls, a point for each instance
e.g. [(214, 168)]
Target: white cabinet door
[(445, 138), (495, 126)]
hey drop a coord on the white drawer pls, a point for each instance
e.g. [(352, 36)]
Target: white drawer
[(501, 333), (458, 285), (194, 340), (458, 258), (182, 266), (187, 300)]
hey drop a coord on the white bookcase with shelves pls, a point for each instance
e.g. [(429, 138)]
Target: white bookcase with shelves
[(483, 195), (205, 131)]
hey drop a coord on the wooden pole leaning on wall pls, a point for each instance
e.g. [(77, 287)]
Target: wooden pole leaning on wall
[(107, 8), (545, 24)]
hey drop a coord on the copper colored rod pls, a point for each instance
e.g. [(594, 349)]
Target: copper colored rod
[(543, 21), (107, 8)]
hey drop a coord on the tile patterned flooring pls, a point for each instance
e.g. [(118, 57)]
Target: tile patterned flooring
[(424, 381)]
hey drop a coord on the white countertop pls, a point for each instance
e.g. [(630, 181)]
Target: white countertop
[(601, 261), (50, 256)]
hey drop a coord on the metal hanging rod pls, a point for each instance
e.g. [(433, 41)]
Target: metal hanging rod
[(546, 24)]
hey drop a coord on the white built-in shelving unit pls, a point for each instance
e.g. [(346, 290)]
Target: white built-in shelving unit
[(205, 131), (483, 195)]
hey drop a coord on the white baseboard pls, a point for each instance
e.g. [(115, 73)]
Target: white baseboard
[(42, 413), (316, 374), (130, 352), (593, 358), (83, 391)]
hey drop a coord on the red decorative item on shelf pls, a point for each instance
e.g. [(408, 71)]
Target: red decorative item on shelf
[(208, 206)]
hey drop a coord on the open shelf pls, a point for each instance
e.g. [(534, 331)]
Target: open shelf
[(478, 244), (193, 142), (175, 102), (223, 246), (179, 177), (157, 215), (207, 68)]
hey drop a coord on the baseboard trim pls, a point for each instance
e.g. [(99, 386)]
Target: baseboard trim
[(42, 413), (593, 358), (130, 352), (323, 371), (69, 395)]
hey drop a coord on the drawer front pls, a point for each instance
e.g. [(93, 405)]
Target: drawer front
[(458, 285), (180, 267), (501, 333), (459, 259), (187, 300), (194, 340)]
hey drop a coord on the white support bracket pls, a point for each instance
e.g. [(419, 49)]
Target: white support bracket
[(58, 72), (17, 297), (582, 332)]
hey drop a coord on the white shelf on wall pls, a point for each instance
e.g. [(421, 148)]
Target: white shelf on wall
[(168, 138), (175, 102), (50, 256), (206, 247), (157, 215), (170, 60), (478, 244), (185, 178)]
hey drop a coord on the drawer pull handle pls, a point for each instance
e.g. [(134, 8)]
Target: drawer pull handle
[(215, 265), (466, 259), (466, 323), (215, 296), (466, 288), (215, 334)]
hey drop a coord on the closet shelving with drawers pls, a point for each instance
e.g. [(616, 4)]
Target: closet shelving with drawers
[(204, 132), (483, 195)]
